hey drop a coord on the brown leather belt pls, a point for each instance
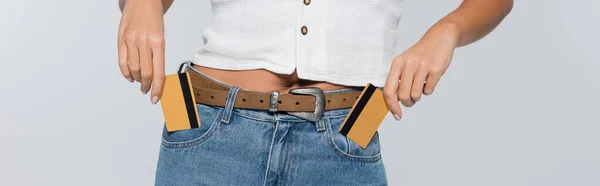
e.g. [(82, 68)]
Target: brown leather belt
[(308, 103)]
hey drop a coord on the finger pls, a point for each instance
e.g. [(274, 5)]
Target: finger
[(418, 83), (133, 58), (406, 80), (122, 50), (432, 79), (158, 65), (391, 85), (145, 65)]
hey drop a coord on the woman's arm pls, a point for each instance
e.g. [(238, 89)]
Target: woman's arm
[(141, 44), (474, 19), (420, 67), (166, 4)]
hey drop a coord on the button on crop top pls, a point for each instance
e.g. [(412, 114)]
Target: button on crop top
[(347, 42)]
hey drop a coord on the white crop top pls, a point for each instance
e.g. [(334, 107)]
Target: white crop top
[(347, 42)]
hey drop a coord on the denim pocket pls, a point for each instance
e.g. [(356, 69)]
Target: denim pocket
[(209, 122), (348, 149)]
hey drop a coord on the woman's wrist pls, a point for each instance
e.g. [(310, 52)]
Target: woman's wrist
[(165, 4), (444, 30)]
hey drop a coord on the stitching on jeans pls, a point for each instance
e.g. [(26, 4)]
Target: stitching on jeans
[(270, 151), (190, 143), (287, 120), (262, 119), (347, 145), (336, 116), (289, 164), (250, 117), (347, 156)]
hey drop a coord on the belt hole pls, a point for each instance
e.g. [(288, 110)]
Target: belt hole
[(297, 103), (356, 97), (212, 97), (344, 99), (328, 101), (279, 101), (244, 99), (261, 101)]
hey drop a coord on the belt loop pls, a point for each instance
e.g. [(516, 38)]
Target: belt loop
[(229, 104), (320, 125)]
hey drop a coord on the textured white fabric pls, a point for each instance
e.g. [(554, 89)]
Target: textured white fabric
[(349, 42)]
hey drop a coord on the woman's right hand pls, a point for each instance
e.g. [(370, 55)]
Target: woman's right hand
[(141, 45)]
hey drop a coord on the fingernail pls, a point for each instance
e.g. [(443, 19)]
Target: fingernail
[(144, 91), (397, 117), (154, 100), (130, 80)]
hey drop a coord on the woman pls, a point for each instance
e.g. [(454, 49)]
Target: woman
[(274, 60)]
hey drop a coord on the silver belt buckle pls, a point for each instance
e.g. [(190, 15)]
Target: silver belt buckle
[(319, 103)]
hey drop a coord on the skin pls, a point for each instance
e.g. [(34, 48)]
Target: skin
[(141, 55), (264, 81), (141, 44), (418, 70), (413, 73)]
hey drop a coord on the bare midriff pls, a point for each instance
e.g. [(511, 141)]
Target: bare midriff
[(263, 80)]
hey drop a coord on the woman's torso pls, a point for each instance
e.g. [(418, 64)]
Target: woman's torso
[(269, 45), (265, 81)]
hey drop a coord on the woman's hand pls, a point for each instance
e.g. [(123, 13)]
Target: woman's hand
[(425, 61), (419, 68), (141, 45)]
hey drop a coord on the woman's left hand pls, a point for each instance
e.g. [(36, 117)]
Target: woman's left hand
[(419, 69)]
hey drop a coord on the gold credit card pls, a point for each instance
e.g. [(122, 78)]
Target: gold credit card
[(178, 103), (365, 116)]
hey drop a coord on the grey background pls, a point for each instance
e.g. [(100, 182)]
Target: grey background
[(520, 107)]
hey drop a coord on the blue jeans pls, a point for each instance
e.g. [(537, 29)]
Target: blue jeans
[(251, 147)]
